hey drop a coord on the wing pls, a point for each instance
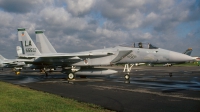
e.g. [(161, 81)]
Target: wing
[(70, 55)]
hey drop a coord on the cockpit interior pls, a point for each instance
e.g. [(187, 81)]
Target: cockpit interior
[(141, 45)]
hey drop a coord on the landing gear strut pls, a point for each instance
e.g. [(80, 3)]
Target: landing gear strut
[(44, 71), (127, 69), (71, 74), (46, 74)]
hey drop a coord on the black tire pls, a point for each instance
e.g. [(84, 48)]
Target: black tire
[(127, 76), (71, 76)]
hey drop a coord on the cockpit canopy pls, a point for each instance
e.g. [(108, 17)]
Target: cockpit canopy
[(141, 45)]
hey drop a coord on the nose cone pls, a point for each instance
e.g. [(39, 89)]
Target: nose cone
[(179, 57)]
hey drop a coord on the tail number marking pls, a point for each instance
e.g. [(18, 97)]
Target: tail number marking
[(30, 49)]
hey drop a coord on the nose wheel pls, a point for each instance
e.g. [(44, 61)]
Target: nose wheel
[(127, 70), (127, 76)]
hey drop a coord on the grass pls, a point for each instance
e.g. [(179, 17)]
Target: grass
[(14, 98), (186, 64)]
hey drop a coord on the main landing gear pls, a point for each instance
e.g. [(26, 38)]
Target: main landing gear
[(71, 75), (127, 70), (17, 70), (44, 71)]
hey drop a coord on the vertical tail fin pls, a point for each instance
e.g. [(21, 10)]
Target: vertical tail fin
[(43, 43), (188, 51), (27, 44), (2, 58)]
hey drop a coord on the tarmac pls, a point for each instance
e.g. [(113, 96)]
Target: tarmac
[(149, 88)]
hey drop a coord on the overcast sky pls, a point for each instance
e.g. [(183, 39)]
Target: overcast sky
[(78, 25)]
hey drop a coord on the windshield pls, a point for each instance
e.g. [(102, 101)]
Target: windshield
[(140, 45)]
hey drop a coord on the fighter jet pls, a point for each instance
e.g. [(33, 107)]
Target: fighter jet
[(16, 64), (84, 62)]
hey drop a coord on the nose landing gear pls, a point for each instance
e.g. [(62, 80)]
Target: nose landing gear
[(127, 70)]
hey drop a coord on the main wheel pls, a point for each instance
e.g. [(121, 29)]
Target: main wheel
[(127, 76), (71, 76)]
